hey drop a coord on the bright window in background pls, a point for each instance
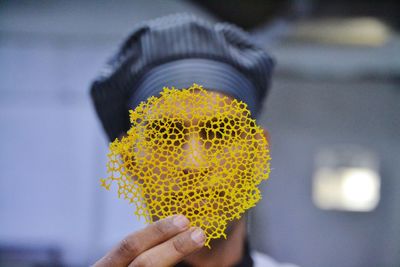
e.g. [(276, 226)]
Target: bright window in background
[(346, 178)]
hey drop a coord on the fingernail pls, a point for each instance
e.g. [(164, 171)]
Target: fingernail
[(181, 222), (198, 236)]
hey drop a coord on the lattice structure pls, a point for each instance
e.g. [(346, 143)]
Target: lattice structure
[(190, 152)]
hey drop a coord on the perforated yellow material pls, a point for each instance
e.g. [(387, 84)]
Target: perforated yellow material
[(191, 152)]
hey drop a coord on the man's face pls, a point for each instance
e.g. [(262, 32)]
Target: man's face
[(196, 153)]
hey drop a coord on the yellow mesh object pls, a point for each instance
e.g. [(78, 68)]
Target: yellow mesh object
[(190, 152)]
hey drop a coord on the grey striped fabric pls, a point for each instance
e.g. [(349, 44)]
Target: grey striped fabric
[(179, 50)]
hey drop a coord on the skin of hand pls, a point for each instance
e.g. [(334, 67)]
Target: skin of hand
[(163, 243)]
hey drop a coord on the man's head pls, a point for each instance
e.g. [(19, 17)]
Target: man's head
[(177, 51)]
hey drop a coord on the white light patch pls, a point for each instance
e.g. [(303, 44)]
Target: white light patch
[(346, 179), (360, 189)]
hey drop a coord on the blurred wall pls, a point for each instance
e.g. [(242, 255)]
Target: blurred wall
[(304, 116), (328, 95)]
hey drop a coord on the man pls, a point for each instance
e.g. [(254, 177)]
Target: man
[(177, 51)]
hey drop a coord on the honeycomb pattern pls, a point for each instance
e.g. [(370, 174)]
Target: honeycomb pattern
[(190, 152)]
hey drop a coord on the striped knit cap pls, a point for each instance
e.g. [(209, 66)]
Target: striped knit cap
[(177, 51)]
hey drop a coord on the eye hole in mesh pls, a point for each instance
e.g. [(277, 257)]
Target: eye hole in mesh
[(192, 152)]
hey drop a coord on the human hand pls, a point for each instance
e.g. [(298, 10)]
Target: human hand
[(163, 243)]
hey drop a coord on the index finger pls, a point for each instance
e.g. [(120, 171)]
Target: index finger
[(138, 242), (172, 251)]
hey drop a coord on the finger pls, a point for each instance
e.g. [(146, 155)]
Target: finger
[(172, 251), (136, 243)]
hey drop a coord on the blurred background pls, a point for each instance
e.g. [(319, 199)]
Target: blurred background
[(333, 197)]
